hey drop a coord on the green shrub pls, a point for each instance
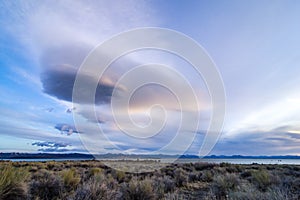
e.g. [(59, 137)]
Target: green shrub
[(95, 171), (12, 183), (207, 176), (261, 179), (70, 179), (119, 175)]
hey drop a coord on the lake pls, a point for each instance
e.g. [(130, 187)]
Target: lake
[(243, 161), (186, 160)]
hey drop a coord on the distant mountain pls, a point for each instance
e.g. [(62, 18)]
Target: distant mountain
[(254, 157), (44, 156), (130, 156)]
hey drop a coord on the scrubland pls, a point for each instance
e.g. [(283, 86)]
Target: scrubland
[(85, 180)]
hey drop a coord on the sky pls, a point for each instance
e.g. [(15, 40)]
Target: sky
[(255, 46)]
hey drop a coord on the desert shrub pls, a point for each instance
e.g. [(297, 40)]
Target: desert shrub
[(203, 166), (255, 166), (162, 185), (245, 195), (207, 176), (232, 169), (94, 171), (180, 177), (50, 165), (12, 183), (293, 184), (210, 195), (33, 169), (92, 180), (296, 168), (277, 193), (169, 184), (174, 196), (95, 189), (189, 167), (219, 170), (250, 192), (136, 190), (270, 167), (246, 174), (168, 170), (287, 181), (40, 165), (110, 181), (119, 175), (223, 184), (239, 168), (158, 187), (261, 179), (194, 176), (225, 164), (289, 171), (274, 179), (45, 185), (70, 179)]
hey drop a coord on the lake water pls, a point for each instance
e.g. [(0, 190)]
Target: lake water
[(244, 161), (215, 160), (43, 160)]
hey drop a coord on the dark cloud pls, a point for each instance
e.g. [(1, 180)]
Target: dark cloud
[(50, 144), (101, 121), (66, 129), (70, 110), (54, 147), (49, 150), (49, 109), (60, 66), (59, 83), (273, 142), (294, 135)]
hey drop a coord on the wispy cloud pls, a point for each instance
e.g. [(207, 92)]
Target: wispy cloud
[(56, 147), (277, 141), (50, 144)]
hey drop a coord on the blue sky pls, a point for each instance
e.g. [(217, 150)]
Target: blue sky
[(255, 45)]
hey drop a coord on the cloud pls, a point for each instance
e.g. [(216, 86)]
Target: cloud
[(66, 129), (49, 150), (59, 82), (278, 141), (58, 37), (50, 144), (53, 146), (49, 109), (280, 114), (70, 110)]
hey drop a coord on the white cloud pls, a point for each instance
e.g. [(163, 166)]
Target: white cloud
[(284, 111)]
